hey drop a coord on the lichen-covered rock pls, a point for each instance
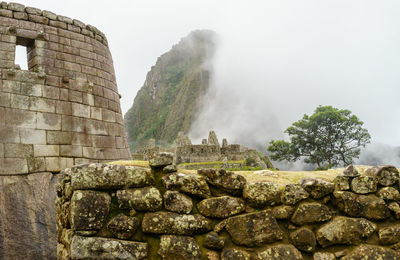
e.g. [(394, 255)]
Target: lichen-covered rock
[(389, 235), (212, 241), (311, 212), (177, 202), (179, 247), (220, 226), (89, 209), (350, 171), (364, 184), (344, 230), (161, 159), (170, 223), (304, 239), (170, 168), (317, 188), (386, 175), (188, 183), (227, 181), (278, 252), (254, 229), (388, 193), (368, 206), (123, 227), (221, 207), (293, 193), (395, 208), (342, 183), (324, 256), (106, 248), (283, 211), (372, 252), (262, 194), (142, 199), (106, 176), (234, 254)]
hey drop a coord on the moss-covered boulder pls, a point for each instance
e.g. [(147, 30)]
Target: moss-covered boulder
[(170, 223), (221, 207), (311, 212), (386, 174), (234, 254), (254, 229), (342, 183), (388, 194), (161, 159), (278, 252), (193, 184), (364, 184), (345, 231), (317, 188), (389, 234), (141, 199), (350, 171), (304, 239), (177, 202), (179, 247), (122, 226), (293, 193), (212, 241), (395, 209), (227, 181), (262, 194), (107, 248), (89, 209), (367, 252), (283, 211)]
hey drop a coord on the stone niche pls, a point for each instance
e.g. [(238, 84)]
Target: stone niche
[(127, 212), (62, 111)]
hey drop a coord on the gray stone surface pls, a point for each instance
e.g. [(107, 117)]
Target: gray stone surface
[(311, 212), (187, 183), (141, 199), (261, 194), (221, 207), (177, 202), (278, 252), (179, 247), (294, 193)]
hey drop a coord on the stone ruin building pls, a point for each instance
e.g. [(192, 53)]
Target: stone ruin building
[(63, 110)]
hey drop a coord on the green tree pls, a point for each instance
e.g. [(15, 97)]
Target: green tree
[(328, 138)]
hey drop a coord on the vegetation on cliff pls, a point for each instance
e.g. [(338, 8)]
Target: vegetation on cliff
[(168, 101)]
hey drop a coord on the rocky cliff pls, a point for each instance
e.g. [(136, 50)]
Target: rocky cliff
[(170, 96)]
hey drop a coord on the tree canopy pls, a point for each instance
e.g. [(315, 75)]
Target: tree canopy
[(328, 138)]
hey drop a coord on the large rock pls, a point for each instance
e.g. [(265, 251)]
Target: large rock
[(304, 239), (317, 188), (177, 202), (221, 207), (227, 181), (371, 252), (364, 184), (161, 159), (106, 176), (170, 223), (342, 182), (123, 227), (278, 252), (89, 209), (389, 235), (234, 254), (106, 248), (283, 211), (28, 216), (293, 193), (179, 247), (386, 175), (311, 212), (212, 241), (187, 183), (388, 194), (368, 206), (254, 229), (350, 171), (262, 194), (395, 209), (142, 199), (344, 230)]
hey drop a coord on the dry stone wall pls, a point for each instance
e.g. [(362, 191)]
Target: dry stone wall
[(63, 110), (127, 212)]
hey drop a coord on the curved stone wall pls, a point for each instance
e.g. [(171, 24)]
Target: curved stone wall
[(63, 110), (127, 212)]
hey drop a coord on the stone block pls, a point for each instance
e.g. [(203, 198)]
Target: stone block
[(75, 96), (48, 121), (21, 15), (64, 108), (108, 115), (21, 118), (142, 199), (5, 99), (42, 105), (36, 164), (58, 137), (80, 110), (13, 166), (82, 139), (1, 150), (19, 101), (51, 92), (46, 150), (104, 141), (18, 150), (57, 164), (179, 247), (95, 113), (16, 7), (33, 90), (32, 136), (71, 150), (33, 10)]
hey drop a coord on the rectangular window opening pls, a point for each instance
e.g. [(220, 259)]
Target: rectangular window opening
[(23, 52)]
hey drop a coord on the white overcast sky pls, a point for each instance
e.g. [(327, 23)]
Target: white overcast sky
[(293, 55)]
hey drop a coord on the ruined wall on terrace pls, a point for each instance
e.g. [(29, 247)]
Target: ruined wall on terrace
[(126, 212), (63, 110)]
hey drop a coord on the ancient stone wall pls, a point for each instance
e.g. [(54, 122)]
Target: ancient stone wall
[(63, 110), (126, 212)]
